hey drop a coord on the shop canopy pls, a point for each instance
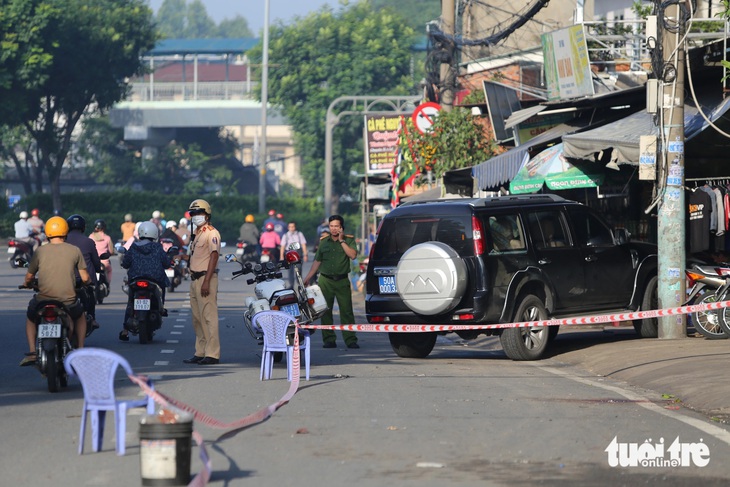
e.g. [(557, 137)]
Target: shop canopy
[(622, 136), (502, 168)]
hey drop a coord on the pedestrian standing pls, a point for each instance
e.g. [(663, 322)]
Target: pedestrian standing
[(333, 259), (293, 236), (205, 247)]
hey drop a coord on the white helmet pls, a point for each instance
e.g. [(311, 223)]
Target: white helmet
[(170, 224), (183, 222), (148, 230), (156, 214), (24, 215)]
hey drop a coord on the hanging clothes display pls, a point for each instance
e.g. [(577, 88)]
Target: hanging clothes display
[(700, 215)]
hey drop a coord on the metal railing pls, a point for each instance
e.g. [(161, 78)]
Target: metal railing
[(179, 91)]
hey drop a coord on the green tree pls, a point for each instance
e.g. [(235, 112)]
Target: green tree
[(199, 25), (234, 28), (457, 139), (356, 51), (416, 13), (171, 19), (71, 57)]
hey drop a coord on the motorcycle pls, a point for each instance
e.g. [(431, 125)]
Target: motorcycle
[(175, 273), (53, 322), (102, 285), (266, 257), (709, 284), (147, 306), (20, 250), (306, 304), (247, 252)]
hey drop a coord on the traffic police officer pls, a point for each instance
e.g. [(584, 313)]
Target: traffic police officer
[(332, 260), (205, 247)]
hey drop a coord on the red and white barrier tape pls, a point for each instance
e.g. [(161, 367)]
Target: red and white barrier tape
[(590, 320), (234, 427)]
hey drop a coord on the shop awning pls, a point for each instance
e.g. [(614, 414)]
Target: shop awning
[(622, 136), (502, 168)]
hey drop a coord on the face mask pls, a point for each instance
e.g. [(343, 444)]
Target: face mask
[(199, 220)]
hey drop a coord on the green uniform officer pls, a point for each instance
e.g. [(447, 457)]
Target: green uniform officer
[(332, 260)]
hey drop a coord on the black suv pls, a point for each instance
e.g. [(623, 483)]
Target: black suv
[(500, 260)]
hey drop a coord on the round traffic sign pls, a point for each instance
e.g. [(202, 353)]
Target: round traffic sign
[(424, 115)]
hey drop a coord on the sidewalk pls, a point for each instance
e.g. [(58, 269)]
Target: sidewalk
[(690, 370)]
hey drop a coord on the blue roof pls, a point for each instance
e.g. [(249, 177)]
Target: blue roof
[(167, 47)]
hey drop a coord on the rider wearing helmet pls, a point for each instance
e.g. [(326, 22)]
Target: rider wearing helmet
[(205, 247), (157, 220), (103, 244), (76, 228), (36, 223), (183, 233), (270, 241), (170, 234), (249, 232), (54, 264), (24, 231), (145, 259), (280, 225)]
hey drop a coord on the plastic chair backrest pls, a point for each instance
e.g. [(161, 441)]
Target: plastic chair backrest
[(274, 325), (96, 369)]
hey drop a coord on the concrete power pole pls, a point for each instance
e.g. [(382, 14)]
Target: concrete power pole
[(671, 216), (447, 74)]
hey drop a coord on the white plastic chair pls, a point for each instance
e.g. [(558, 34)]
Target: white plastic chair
[(96, 369), (274, 325)]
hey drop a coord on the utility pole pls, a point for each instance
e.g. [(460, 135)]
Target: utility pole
[(671, 213), (263, 159), (447, 75)]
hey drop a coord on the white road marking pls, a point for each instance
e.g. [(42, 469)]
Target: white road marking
[(175, 333), (162, 362), (164, 350), (172, 341), (644, 402)]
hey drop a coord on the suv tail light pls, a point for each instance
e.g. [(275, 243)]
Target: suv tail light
[(478, 235)]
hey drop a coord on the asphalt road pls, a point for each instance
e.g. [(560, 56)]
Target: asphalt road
[(464, 416)]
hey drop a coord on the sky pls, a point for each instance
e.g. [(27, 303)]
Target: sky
[(253, 10)]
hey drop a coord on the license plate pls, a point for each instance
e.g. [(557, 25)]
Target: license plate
[(49, 331), (291, 309), (387, 285), (142, 304), (11, 250), (170, 272)]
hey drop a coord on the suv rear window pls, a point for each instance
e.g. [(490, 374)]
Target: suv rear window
[(400, 234)]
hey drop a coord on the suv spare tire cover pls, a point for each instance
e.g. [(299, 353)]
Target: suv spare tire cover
[(431, 278)]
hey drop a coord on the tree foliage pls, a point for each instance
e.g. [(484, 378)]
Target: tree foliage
[(415, 13), (180, 20), (457, 139), (357, 51), (63, 59)]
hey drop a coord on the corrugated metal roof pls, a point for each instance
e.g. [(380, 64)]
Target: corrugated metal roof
[(169, 47)]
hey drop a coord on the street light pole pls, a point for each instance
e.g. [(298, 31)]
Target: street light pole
[(263, 156)]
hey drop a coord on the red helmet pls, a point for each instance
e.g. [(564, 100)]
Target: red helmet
[(279, 216), (35, 212), (272, 212), (269, 227)]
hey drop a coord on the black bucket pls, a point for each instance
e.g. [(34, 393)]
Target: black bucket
[(164, 451)]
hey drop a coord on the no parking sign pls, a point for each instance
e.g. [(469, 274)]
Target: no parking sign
[(424, 116)]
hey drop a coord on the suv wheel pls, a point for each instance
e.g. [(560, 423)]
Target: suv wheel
[(649, 328), (527, 343), (431, 278), (412, 345)]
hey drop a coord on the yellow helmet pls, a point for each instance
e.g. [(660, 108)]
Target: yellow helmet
[(56, 227), (249, 218), (199, 205)]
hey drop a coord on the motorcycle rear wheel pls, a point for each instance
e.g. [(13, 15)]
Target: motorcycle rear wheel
[(144, 334), (711, 324), (53, 372)]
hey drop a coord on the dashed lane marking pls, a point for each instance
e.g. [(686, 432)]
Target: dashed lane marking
[(162, 363)]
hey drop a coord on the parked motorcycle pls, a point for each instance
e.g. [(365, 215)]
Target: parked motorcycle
[(709, 284), (271, 292), (53, 323)]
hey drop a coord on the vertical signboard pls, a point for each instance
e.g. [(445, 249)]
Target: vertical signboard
[(381, 142), (567, 67)]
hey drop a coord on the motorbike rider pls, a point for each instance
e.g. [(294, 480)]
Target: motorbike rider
[(37, 223), (249, 233), (157, 220), (270, 240), (76, 228), (270, 219), (127, 227), (145, 259), (280, 225), (103, 244), (24, 232), (183, 233), (55, 264)]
